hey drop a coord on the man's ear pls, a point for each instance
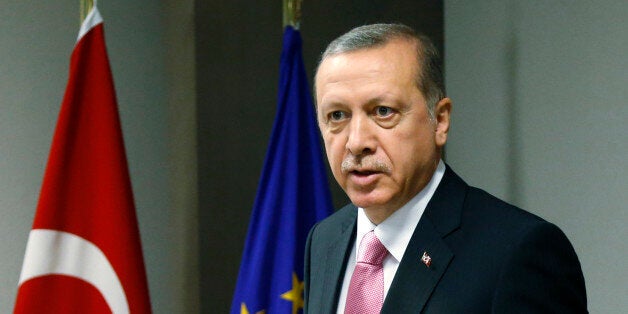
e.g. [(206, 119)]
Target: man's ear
[(442, 115)]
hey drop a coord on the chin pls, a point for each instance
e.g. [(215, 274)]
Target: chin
[(368, 201)]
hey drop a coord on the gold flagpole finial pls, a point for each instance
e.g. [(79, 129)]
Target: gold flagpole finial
[(86, 6), (292, 13)]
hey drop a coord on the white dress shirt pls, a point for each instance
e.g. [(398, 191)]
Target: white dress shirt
[(394, 233)]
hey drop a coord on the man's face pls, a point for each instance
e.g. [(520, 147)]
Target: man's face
[(381, 143)]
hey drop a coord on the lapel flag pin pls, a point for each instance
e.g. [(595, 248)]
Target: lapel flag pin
[(426, 259)]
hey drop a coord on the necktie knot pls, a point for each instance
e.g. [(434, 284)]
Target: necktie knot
[(372, 251)]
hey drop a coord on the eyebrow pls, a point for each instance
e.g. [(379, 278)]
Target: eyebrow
[(377, 100)]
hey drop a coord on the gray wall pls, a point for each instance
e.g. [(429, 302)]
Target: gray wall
[(36, 41), (539, 118)]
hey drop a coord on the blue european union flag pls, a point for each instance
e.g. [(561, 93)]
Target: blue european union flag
[(292, 195)]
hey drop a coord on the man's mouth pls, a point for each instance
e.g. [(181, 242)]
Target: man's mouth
[(363, 177), (362, 173)]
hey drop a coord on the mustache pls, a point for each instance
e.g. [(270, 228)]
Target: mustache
[(366, 163)]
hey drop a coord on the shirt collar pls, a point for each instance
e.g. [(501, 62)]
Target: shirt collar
[(395, 232)]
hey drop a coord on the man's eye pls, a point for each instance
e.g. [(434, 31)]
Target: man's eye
[(383, 111), (337, 115)]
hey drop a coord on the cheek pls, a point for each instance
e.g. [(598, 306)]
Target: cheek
[(406, 149), (334, 150), (335, 157)]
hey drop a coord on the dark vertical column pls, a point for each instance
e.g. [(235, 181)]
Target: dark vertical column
[(237, 57), (238, 45)]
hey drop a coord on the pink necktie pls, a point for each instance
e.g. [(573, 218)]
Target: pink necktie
[(366, 290)]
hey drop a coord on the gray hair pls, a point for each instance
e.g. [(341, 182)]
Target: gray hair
[(430, 77)]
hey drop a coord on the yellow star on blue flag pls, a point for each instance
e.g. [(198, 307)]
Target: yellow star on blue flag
[(295, 295), (244, 310)]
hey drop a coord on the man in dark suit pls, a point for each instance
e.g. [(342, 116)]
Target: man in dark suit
[(449, 247)]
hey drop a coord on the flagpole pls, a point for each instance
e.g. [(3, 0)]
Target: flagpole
[(292, 13), (85, 7)]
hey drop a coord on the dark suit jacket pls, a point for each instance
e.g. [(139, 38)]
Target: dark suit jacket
[(487, 257)]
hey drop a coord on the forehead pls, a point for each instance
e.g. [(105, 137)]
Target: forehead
[(360, 43), (394, 63)]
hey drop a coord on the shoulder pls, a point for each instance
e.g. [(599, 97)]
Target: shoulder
[(486, 206), (457, 205), (337, 222), (345, 214), (508, 225), (536, 266), (501, 224)]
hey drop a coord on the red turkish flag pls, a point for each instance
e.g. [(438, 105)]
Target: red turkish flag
[(84, 253)]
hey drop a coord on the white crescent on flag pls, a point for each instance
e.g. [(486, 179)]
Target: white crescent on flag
[(52, 252)]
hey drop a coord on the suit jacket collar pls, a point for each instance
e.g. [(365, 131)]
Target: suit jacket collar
[(441, 217), (336, 259), (445, 208)]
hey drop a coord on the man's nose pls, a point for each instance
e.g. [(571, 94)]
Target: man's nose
[(361, 138)]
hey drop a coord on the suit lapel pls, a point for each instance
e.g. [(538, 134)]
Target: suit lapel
[(414, 281), (336, 261)]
